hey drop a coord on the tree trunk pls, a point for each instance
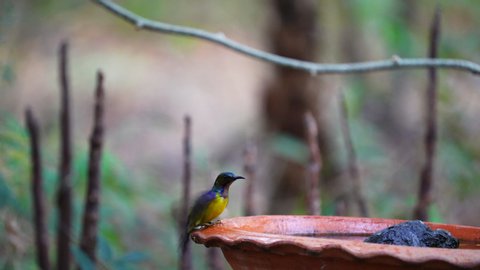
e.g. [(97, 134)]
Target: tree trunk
[(291, 94)]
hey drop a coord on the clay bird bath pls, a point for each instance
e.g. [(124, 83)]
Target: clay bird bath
[(322, 242)]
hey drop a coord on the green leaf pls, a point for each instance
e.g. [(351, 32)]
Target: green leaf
[(290, 148), (82, 260), (5, 193), (105, 251), (132, 257), (434, 214), (8, 74)]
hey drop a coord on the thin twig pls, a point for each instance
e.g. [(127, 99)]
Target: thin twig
[(41, 234), (314, 166), (99, 263), (352, 158), (430, 139), (214, 257), (185, 252), (249, 161), (88, 241), (64, 193), (314, 68)]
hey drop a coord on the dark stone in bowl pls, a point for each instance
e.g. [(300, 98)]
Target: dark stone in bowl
[(414, 233)]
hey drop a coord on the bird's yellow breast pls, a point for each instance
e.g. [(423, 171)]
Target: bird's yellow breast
[(214, 208)]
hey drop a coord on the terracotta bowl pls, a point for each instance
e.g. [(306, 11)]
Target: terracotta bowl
[(321, 242)]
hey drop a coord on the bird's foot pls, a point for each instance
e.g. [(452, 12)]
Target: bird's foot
[(206, 225), (211, 223)]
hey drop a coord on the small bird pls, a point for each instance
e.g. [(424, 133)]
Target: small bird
[(209, 205)]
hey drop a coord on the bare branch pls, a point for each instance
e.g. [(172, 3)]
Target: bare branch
[(249, 167), (214, 259), (64, 192), (41, 235), (352, 158), (314, 68), (185, 252), (314, 166), (430, 139), (88, 241)]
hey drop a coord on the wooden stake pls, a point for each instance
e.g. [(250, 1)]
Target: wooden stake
[(41, 234)]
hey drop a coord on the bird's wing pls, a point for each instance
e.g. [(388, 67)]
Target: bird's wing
[(196, 214), (199, 207)]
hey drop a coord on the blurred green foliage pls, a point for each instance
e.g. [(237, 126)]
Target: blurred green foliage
[(119, 196), (290, 148), (457, 154), (463, 170), (8, 73), (14, 165)]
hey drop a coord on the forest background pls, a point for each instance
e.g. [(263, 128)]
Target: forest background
[(152, 81)]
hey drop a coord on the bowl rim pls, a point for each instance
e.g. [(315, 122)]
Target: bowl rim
[(237, 233)]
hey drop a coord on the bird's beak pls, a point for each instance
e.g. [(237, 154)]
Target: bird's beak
[(239, 177)]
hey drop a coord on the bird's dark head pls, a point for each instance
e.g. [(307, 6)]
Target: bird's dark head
[(225, 179)]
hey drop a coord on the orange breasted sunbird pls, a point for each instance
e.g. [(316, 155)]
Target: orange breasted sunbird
[(209, 205)]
